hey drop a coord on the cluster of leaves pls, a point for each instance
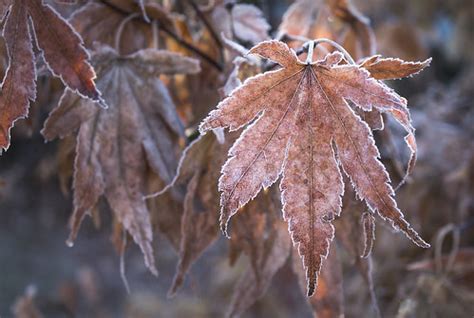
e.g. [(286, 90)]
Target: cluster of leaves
[(306, 118)]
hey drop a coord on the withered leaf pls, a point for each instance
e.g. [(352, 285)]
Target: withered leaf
[(247, 292), (337, 20), (244, 21), (253, 231), (62, 51), (350, 233), (304, 130), (116, 146), (198, 171), (368, 224), (249, 24), (392, 68), (387, 69)]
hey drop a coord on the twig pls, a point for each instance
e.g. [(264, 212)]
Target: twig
[(208, 25), (173, 35)]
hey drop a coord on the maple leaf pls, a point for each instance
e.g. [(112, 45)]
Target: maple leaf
[(388, 69), (392, 68), (62, 51), (116, 146), (305, 130), (248, 289), (198, 171), (253, 231), (356, 238)]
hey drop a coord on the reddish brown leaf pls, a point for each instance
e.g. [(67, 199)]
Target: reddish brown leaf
[(392, 68), (304, 122), (116, 146), (62, 50), (387, 69)]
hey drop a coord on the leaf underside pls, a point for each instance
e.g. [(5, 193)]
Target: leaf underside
[(116, 147)]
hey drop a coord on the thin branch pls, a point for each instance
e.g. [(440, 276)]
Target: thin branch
[(173, 35), (208, 25)]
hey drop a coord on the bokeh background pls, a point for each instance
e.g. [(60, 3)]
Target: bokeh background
[(85, 281)]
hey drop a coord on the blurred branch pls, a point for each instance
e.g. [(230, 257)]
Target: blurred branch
[(173, 35)]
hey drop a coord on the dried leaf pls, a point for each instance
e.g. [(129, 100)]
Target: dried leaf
[(198, 170), (247, 292), (368, 223), (253, 230), (303, 122), (249, 24), (116, 146), (392, 68), (337, 20), (387, 69), (62, 51), (350, 234)]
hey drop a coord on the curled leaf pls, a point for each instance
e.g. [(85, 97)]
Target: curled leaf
[(368, 223)]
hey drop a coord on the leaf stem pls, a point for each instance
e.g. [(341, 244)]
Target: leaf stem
[(309, 57), (334, 44), (121, 27), (206, 22)]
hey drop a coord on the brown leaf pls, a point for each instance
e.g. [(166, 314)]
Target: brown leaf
[(249, 24), (387, 69), (350, 234), (253, 230), (304, 122), (368, 223), (247, 292), (116, 146), (392, 68), (243, 21), (62, 51), (337, 20), (198, 171)]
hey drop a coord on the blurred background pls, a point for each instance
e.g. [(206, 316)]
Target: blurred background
[(85, 281)]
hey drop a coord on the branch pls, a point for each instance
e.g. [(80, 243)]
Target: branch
[(173, 35)]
